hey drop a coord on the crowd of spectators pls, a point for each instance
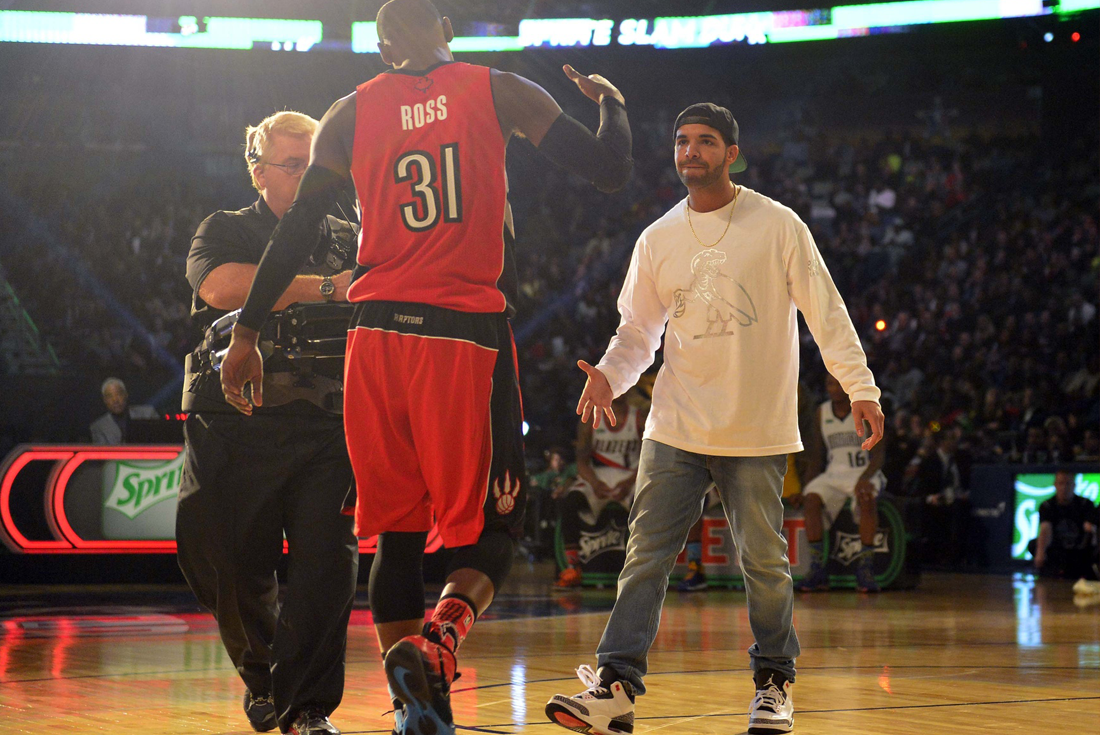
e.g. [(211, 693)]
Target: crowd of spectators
[(969, 264), (101, 275), (991, 314), (970, 268)]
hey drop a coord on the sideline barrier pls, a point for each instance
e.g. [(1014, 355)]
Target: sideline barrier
[(91, 499)]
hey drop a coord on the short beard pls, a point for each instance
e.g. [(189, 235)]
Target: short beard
[(712, 176)]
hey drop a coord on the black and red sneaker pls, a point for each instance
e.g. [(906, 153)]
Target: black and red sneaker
[(420, 672)]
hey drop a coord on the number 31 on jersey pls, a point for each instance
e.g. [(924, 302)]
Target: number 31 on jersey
[(436, 187)]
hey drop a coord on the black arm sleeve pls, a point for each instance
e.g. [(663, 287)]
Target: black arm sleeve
[(603, 158), (291, 244)]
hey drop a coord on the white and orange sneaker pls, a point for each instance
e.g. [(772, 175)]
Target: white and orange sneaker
[(606, 707)]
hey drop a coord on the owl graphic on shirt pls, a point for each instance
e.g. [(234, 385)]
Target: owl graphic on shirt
[(727, 302)]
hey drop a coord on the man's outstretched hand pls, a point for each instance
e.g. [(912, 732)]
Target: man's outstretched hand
[(596, 397), (243, 366), (870, 412), (594, 86)]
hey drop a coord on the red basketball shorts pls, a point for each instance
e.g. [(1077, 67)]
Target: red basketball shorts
[(434, 420)]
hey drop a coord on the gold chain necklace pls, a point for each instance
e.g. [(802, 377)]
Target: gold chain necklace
[(736, 191)]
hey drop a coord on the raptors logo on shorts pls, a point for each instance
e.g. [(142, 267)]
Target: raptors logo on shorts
[(506, 495)]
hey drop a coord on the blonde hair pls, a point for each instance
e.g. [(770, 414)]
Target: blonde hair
[(258, 137)]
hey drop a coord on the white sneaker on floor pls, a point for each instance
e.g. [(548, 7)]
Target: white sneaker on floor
[(772, 708), (1086, 587), (606, 707)]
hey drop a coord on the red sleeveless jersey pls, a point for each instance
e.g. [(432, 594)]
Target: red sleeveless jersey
[(428, 165)]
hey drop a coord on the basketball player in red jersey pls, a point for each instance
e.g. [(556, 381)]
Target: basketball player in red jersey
[(425, 145)]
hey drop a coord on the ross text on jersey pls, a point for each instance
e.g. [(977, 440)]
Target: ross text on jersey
[(419, 115)]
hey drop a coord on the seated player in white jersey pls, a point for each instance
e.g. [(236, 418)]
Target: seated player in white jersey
[(607, 466), (850, 472)]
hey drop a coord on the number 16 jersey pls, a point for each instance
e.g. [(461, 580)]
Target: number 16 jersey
[(428, 165), (846, 456)]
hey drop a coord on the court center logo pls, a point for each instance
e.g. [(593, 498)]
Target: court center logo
[(138, 486), (505, 496), (848, 546), (725, 299)]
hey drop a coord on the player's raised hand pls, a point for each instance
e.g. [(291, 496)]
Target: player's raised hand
[(870, 412), (596, 397), (594, 86), (243, 366)]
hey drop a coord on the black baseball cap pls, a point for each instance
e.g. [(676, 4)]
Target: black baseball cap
[(719, 118)]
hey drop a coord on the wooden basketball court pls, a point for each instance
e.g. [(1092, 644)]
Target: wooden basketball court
[(960, 654)]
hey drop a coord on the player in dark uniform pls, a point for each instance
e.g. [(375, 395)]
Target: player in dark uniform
[(425, 145)]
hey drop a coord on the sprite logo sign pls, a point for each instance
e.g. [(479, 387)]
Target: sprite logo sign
[(140, 485), (594, 544), (849, 546), (1031, 491)]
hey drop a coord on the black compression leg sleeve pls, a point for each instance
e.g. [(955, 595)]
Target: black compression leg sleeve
[(396, 589), (603, 158), (491, 555)]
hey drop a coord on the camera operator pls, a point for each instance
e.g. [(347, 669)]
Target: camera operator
[(250, 480)]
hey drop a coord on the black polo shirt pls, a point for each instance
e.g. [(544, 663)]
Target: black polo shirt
[(1069, 520), (241, 237)]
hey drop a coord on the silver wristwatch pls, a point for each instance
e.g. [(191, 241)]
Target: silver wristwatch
[(328, 289)]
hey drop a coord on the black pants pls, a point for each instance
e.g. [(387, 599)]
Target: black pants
[(247, 481), (1067, 563)]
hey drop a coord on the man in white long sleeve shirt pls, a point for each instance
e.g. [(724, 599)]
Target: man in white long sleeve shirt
[(720, 276)]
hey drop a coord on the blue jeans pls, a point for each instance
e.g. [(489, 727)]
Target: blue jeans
[(671, 487)]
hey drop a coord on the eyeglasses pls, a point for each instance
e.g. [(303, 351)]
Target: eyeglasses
[(295, 168)]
